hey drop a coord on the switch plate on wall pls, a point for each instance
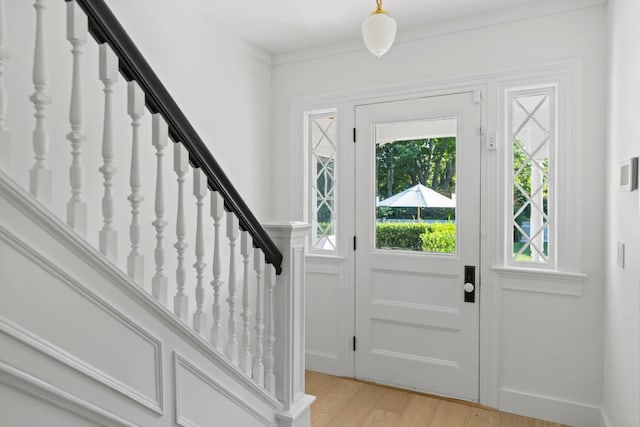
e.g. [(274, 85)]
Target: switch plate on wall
[(491, 141), (620, 255)]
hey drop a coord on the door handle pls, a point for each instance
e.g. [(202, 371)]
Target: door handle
[(470, 283)]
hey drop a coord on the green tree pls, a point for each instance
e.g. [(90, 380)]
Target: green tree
[(522, 179), (403, 164)]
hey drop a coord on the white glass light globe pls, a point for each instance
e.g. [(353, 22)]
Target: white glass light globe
[(378, 33)]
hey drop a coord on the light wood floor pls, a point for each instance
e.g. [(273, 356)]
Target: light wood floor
[(348, 402)]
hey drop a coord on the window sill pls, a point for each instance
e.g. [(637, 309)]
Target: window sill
[(541, 281)]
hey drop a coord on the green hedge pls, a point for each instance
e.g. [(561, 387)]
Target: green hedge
[(417, 236), (440, 238), (400, 235)]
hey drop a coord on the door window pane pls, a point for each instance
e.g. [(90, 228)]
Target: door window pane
[(415, 168)]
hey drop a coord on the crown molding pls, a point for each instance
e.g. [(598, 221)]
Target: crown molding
[(529, 11), (257, 53)]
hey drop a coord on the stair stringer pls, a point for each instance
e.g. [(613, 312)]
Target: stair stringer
[(81, 342)]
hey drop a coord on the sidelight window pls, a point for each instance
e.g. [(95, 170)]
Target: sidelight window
[(532, 138), (322, 140)]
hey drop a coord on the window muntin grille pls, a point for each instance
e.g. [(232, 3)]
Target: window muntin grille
[(532, 138), (323, 148)]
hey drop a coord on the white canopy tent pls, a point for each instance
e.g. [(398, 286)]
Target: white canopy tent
[(418, 196)]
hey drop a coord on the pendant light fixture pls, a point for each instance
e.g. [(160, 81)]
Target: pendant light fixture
[(379, 31)]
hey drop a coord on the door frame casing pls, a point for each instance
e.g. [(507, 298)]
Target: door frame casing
[(345, 105), (491, 168)]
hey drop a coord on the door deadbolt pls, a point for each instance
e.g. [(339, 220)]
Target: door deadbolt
[(469, 283)]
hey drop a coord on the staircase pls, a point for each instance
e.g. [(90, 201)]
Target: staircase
[(170, 305)]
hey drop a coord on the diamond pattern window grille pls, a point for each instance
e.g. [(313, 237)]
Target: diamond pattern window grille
[(532, 133), (323, 137)]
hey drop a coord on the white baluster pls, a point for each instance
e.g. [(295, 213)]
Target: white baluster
[(217, 213), (232, 235), (160, 140), (135, 260), (200, 190), (77, 28), (5, 136), (258, 365), (40, 175), (269, 361), (180, 166), (246, 244), (108, 238)]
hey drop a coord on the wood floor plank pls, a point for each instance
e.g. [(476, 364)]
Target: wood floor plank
[(352, 403), (359, 407), (482, 418), (389, 409), (541, 423), (419, 412), (510, 420), (451, 414), (317, 383), (341, 393)]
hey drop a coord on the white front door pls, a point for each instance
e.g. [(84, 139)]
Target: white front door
[(417, 213)]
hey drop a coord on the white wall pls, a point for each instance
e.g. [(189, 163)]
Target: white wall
[(221, 82), (622, 307), (550, 346)]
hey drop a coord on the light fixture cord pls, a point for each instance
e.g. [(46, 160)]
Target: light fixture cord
[(379, 8)]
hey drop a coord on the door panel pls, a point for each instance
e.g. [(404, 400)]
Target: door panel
[(413, 327)]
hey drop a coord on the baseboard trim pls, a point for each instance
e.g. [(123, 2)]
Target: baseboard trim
[(549, 408), (299, 415), (325, 363)]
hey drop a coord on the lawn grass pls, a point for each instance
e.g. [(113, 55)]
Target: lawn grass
[(526, 255)]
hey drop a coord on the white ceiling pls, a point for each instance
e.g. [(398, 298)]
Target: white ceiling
[(281, 26)]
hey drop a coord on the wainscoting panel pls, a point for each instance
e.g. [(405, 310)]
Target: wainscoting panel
[(546, 323), (29, 401), (329, 315), (202, 401), (76, 327), (95, 343), (323, 340)]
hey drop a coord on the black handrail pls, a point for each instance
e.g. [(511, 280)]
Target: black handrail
[(105, 28)]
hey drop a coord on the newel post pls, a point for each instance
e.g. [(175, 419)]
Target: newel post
[(289, 313)]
